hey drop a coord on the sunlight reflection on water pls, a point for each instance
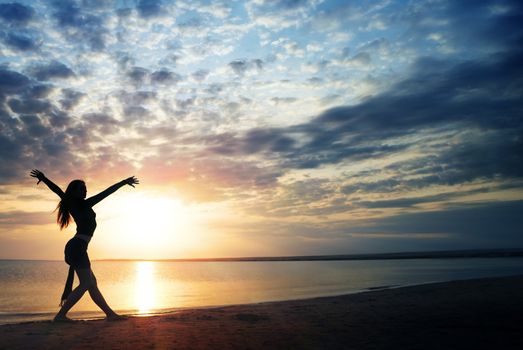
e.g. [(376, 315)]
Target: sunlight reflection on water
[(144, 287)]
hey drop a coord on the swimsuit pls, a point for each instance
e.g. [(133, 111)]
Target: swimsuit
[(76, 249), (76, 253)]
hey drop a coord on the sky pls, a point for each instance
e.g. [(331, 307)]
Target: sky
[(263, 128)]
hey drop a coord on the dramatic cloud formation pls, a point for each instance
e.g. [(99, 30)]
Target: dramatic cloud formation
[(312, 127), (15, 13)]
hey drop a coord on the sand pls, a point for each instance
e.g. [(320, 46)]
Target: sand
[(475, 314)]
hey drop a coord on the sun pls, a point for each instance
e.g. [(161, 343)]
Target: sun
[(154, 220), (152, 225), (148, 226)]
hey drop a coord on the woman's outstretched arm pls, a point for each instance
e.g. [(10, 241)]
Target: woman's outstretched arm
[(52, 186), (131, 181)]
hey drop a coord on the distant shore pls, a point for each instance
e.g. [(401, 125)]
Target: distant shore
[(444, 254), (491, 253), (471, 314)]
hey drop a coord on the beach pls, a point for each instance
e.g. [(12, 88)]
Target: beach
[(472, 314)]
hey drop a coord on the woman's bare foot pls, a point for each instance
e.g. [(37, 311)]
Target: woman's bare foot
[(62, 319), (116, 317)]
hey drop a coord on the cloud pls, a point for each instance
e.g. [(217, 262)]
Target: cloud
[(135, 112), (20, 41), (185, 103), (479, 223), (102, 123), (200, 74), (462, 227), (16, 13), (137, 98), (59, 119), (266, 139), (381, 186), (283, 100), (291, 47), (481, 95), (219, 9), (11, 81), (379, 47), (38, 91), (36, 133), (28, 106), (149, 8), (281, 14), (123, 59), (409, 202), (486, 26), (170, 59), (79, 25), (164, 76), (240, 66), (52, 70), (34, 125), (291, 4), (191, 25), (24, 218), (70, 98), (138, 74), (360, 59), (136, 105)]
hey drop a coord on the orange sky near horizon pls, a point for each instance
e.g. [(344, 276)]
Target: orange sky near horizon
[(140, 223)]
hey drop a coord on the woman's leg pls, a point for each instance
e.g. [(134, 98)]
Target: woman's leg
[(84, 275), (98, 298), (87, 283)]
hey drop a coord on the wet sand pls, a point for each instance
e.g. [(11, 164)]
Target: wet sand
[(475, 314)]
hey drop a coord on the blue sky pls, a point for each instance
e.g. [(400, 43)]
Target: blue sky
[(312, 127)]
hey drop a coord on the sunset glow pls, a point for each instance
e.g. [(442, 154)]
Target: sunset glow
[(149, 220), (263, 127)]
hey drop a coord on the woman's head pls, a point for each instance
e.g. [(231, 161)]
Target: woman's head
[(75, 190)]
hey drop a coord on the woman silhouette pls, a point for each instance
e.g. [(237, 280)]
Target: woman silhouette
[(74, 204)]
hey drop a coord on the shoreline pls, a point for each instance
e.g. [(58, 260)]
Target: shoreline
[(169, 311), (482, 313), (162, 312)]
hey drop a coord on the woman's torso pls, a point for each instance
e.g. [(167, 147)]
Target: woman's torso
[(84, 217)]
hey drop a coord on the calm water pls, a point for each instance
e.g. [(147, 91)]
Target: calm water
[(31, 290)]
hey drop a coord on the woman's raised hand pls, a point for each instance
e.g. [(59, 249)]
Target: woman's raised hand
[(38, 174), (131, 181)]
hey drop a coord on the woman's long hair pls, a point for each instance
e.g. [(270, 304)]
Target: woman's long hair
[(64, 214)]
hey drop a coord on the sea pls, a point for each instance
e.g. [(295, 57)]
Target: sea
[(31, 290)]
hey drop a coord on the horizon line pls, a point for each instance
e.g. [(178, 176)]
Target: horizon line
[(465, 253)]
